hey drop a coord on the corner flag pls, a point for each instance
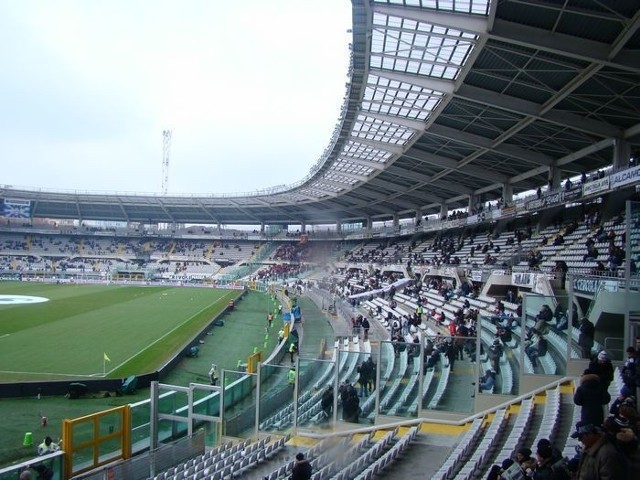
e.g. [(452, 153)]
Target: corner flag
[(105, 357)]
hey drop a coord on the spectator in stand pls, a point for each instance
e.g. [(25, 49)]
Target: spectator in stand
[(432, 359), (371, 379), (548, 467), (326, 403), (562, 322), (585, 338), (625, 398), (631, 370), (302, 469), (624, 437), (504, 333), (591, 255), (537, 347), (599, 269), (568, 184), (544, 316), (592, 396), (494, 352), (602, 366), (561, 270), (363, 378), (559, 240), (487, 381), (600, 459), (365, 328)]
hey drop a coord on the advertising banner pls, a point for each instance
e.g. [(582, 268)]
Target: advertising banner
[(555, 198), (596, 186), (625, 177), (523, 279), (509, 211)]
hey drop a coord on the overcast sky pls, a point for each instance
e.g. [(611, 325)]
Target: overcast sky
[(251, 89)]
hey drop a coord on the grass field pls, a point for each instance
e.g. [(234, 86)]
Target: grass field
[(243, 331), (138, 327)]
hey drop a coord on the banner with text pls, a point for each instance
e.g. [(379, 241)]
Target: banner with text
[(596, 186), (556, 198), (625, 177)]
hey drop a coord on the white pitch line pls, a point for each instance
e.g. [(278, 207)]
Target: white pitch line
[(5, 335), (165, 335), (46, 373)]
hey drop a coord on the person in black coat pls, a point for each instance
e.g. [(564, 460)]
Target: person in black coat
[(602, 366), (585, 339), (591, 396), (327, 402), (302, 469)]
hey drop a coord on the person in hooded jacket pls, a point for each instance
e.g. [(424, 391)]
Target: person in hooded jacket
[(302, 469), (591, 396), (601, 365)]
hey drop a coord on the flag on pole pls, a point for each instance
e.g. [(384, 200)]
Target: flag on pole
[(105, 357)]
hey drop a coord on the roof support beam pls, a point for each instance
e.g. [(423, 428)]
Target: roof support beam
[(430, 83), (365, 163), (451, 164), (530, 109), (405, 122), (583, 152), (488, 144), (469, 23), (173, 220), (318, 186), (205, 210), (412, 175), (354, 176), (631, 131), (246, 212), (386, 147), (344, 186), (124, 212), (570, 46)]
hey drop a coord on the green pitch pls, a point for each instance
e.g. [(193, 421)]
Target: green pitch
[(139, 328)]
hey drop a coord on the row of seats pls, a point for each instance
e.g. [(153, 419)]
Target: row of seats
[(225, 460)]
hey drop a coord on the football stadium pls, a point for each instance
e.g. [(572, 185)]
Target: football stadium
[(451, 292)]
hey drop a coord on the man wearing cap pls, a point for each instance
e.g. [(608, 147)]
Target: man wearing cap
[(600, 459), (602, 367), (625, 398), (301, 468)]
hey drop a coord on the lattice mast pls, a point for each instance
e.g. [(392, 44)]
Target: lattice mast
[(166, 150)]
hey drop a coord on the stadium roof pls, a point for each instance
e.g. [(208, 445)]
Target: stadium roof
[(447, 100)]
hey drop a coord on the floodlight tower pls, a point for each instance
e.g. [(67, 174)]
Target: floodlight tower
[(166, 148)]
